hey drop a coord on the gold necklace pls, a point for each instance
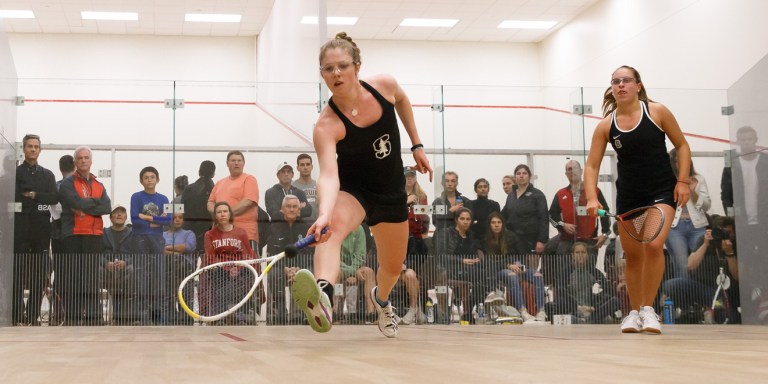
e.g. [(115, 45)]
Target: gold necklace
[(354, 108)]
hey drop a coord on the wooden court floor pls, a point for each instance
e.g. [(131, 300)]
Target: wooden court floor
[(360, 354)]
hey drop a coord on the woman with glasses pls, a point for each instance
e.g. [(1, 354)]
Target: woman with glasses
[(361, 178), (637, 127)]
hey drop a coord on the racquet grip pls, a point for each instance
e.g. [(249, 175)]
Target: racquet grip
[(303, 243), (601, 212)]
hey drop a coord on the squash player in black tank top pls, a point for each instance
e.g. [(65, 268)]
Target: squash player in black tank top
[(636, 128), (361, 178)]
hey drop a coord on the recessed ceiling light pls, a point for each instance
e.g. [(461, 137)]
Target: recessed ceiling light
[(527, 24), (429, 22), (212, 17), (118, 16), (16, 14), (331, 20)]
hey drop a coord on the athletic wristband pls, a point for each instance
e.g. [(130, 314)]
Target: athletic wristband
[(684, 182), (417, 146)]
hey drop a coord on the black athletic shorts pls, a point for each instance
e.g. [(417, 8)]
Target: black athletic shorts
[(628, 203), (388, 207)]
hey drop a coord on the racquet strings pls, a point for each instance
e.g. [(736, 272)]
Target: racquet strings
[(222, 287), (643, 225)]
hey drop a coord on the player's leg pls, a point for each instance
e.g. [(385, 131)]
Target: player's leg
[(391, 246), (347, 216), (644, 272), (312, 292), (653, 269)]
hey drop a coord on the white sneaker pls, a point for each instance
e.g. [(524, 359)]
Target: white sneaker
[(312, 300), (527, 317), (387, 317), (410, 316), (631, 323), (421, 318), (650, 320), (494, 298), (541, 316)]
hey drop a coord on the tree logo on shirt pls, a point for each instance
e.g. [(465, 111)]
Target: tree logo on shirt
[(151, 209), (382, 147)]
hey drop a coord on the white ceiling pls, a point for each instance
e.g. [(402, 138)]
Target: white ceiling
[(378, 19)]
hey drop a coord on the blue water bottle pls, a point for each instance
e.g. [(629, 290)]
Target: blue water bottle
[(669, 311)]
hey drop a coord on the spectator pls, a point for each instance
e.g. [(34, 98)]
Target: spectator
[(525, 212), (117, 261), (512, 275), (501, 247), (507, 182), (354, 273), (288, 230), (273, 197), (418, 228), (226, 286), (742, 185), (67, 168), (685, 234), (589, 295), (195, 200), (36, 191), (148, 218), (181, 261), (179, 184), (459, 257), (451, 199), (241, 191), (482, 207), (83, 201), (307, 184), (716, 250), (568, 213)]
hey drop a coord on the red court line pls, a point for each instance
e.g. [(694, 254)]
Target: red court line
[(233, 337)]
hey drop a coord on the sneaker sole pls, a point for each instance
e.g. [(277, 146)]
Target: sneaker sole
[(630, 330), (307, 296), (652, 331)]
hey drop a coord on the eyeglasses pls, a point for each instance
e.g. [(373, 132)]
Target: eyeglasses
[(341, 67), (625, 80)]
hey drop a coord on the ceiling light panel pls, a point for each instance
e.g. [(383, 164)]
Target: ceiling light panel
[(212, 17)]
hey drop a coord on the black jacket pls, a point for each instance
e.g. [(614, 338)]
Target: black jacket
[(273, 199), (527, 216), (42, 182)]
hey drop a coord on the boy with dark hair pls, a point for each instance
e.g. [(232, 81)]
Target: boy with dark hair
[(148, 219)]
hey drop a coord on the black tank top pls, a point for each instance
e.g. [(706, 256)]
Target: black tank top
[(369, 158), (643, 162)]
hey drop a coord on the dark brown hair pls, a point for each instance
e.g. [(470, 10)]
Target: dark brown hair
[(609, 101)]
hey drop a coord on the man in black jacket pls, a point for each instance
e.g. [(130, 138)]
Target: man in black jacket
[(195, 200), (117, 261), (36, 191), (741, 185)]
